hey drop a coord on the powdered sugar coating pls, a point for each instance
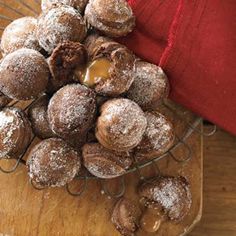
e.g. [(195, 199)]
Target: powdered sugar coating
[(158, 137), (112, 17), (114, 10), (39, 120), (53, 163), (158, 125), (14, 132), (60, 23), (78, 4), (150, 85), (8, 125), (172, 194), (21, 33), (121, 125), (71, 111), (23, 74)]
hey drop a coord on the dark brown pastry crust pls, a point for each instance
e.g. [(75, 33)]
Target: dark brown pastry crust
[(93, 43), (121, 125), (23, 74), (4, 100), (27, 136), (150, 86), (125, 217), (21, 33), (15, 132), (61, 23), (91, 138), (103, 162), (53, 163), (171, 194), (158, 137), (77, 4), (114, 18), (39, 120), (101, 100), (65, 58), (71, 112), (122, 65)]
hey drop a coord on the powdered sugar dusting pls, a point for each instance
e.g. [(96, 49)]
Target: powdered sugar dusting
[(19, 59), (60, 24), (21, 33), (172, 194), (128, 115), (150, 85), (38, 117), (113, 10), (167, 195), (53, 163), (113, 17), (125, 122), (10, 122), (24, 74), (158, 131), (70, 115), (72, 109)]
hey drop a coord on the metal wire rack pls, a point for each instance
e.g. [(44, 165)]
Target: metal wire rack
[(8, 14), (136, 167)]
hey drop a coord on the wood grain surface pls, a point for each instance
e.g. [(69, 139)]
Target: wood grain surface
[(219, 195)]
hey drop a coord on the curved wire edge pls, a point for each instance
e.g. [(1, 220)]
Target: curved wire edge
[(149, 162)]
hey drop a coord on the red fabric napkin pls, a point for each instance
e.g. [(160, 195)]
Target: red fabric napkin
[(194, 41)]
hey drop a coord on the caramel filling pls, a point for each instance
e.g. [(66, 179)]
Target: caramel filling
[(95, 72), (150, 221)]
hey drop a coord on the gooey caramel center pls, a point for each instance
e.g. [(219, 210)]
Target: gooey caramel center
[(95, 72)]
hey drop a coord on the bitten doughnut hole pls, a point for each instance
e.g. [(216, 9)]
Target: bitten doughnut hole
[(111, 67)]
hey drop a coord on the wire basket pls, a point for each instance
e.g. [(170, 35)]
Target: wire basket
[(184, 121)]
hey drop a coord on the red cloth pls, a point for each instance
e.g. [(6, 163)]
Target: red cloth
[(194, 41)]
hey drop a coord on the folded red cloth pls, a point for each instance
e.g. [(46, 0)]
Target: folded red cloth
[(195, 43)]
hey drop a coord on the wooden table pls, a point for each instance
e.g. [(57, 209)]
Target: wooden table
[(219, 192)]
